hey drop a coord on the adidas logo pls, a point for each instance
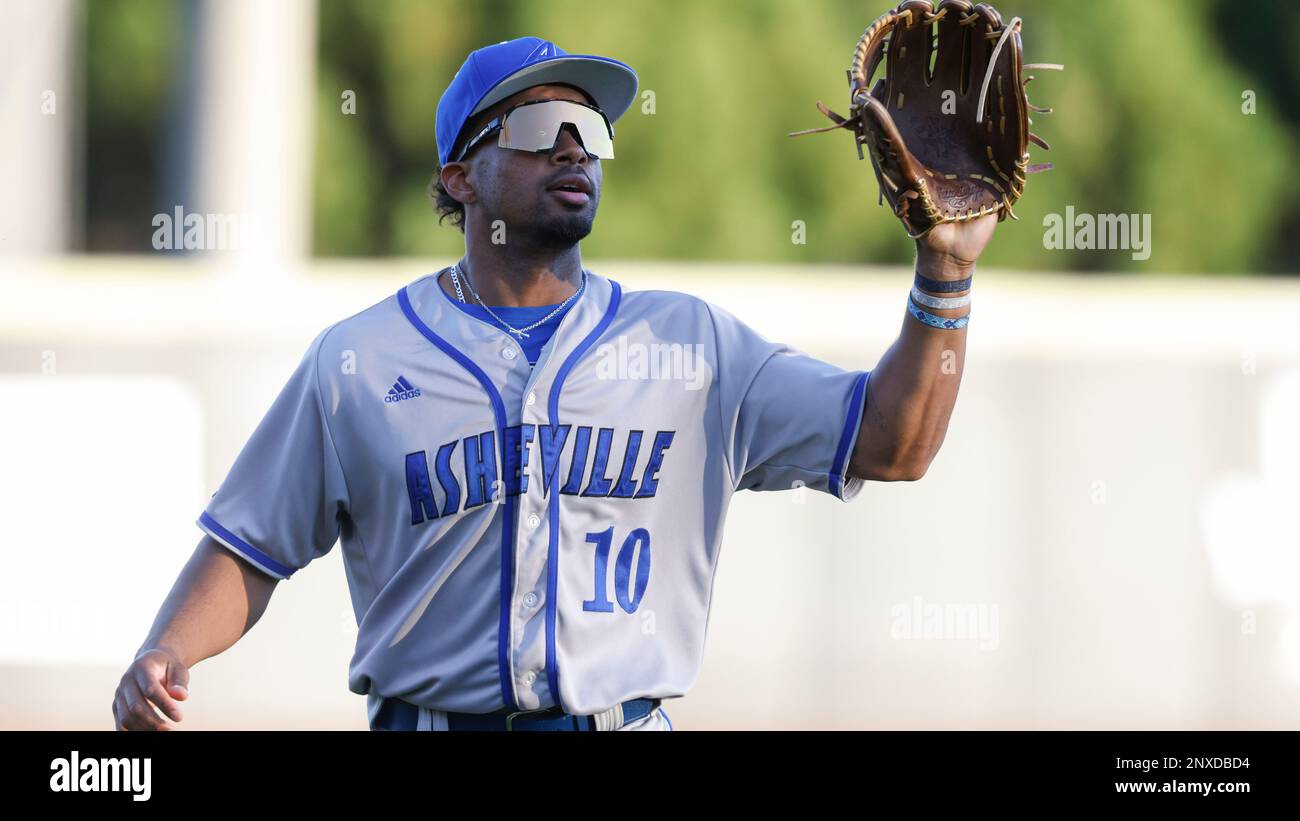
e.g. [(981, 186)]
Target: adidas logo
[(401, 390)]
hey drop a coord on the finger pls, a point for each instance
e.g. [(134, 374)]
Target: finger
[(982, 22), (135, 714), (140, 715), (156, 694), (953, 47), (867, 56), (908, 62), (118, 712), (150, 683), (178, 680), (997, 91), (122, 717)]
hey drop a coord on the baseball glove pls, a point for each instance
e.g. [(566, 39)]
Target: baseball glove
[(948, 144)]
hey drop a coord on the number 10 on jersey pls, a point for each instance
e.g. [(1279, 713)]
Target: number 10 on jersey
[(627, 590)]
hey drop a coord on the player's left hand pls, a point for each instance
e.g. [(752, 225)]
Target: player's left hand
[(954, 246)]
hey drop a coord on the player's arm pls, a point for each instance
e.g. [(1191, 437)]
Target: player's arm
[(914, 387), (216, 599)]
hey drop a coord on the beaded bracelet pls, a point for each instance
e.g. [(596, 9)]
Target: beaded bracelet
[(940, 322)]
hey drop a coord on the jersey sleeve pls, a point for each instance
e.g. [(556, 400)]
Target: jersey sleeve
[(284, 499), (789, 420)]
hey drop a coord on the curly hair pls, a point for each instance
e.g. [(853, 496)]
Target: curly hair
[(447, 207)]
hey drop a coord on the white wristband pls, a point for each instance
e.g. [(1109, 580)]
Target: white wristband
[(922, 298)]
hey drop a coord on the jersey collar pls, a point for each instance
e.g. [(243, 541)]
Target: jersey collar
[(474, 337)]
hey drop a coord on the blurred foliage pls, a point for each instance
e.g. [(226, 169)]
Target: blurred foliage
[(1148, 120)]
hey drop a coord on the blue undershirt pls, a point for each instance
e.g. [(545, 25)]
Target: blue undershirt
[(520, 317)]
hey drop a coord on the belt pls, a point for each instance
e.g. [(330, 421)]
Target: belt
[(396, 714)]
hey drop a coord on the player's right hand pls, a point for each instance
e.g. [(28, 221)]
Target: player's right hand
[(155, 678)]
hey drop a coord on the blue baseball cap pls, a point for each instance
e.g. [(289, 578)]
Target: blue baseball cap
[(493, 73)]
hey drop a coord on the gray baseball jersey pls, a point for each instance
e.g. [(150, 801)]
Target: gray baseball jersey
[(519, 537)]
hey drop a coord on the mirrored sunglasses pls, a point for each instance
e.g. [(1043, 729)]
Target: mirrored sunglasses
[(536, 125)]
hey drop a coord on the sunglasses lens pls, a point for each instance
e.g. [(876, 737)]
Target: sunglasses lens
[(535, 127)]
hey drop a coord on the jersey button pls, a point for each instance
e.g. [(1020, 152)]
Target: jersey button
[(532, 397), (529, 678), (533, 521), (508, 353), (530, 600)]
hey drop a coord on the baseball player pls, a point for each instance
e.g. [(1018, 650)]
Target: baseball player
[(528, 466)]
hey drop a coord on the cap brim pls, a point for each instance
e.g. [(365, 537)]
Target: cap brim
[(611, 84)]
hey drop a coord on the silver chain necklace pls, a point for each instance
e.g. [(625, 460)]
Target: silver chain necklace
[(519, 332)]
